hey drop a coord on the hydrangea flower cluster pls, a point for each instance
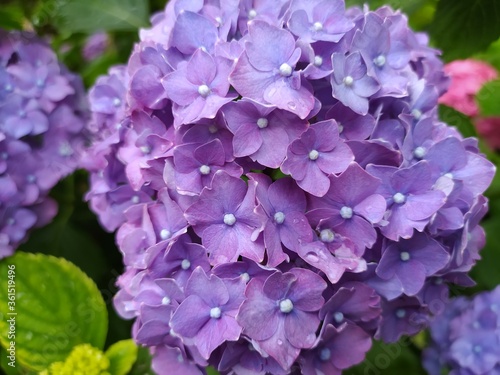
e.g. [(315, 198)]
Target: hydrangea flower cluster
[(42, 116), (467, 79), (466, 337), (83, 359), (282, 187)]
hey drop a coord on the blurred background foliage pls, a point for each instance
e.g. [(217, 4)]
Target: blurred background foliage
[(460, 28)]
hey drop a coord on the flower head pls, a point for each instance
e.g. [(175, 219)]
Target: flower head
[(42, 124), (262, 157)]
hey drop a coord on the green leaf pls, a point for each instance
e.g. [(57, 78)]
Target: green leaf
[(488, 99), (397, 358), (57, 307), (212, 371), (12, 368), (94, 15), (464, 27), (122, 356), (454, 118), (143, 364), (11, 17), (485, 273)]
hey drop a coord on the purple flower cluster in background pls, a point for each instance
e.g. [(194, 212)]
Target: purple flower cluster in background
[(466, 337), (42, 115), (282, 187)]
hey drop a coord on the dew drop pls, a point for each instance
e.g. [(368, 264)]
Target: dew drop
[(311, 257)]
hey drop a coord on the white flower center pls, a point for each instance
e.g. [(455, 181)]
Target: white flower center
[(215, 312), (405, 256), (262, 123), (327, 235), (164, 234), (145, 149), (135, 199), (478, 349), (204, 90), (212, 129), (346, 212), (218, 20), (325, 354), (8, 87), (165, 301), (286, 70), (419, 152), (117, 102), (279, 217), (400, 313), (286, 306), (449, 175), (245, 277), (379, 61), (341, 128), (229, 219), (205, 169), (31, 178), (252, 13), (317, 26), (348, 81), (185, 264), (65, 149), (399, 198), (417, 114), (313, 155), (318, 61), (339, 317)]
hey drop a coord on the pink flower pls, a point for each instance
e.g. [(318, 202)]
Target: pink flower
[(467, 78), (489, 129)]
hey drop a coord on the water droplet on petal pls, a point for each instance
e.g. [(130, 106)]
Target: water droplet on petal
[(279, 342), (312, 257)]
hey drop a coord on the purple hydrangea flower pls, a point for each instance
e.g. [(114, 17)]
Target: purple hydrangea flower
[(281, 313), (317, 154), (319, 20), (207, 315), (262, 132), (42, 119), (199, 87), (228, 220), (265, 71), (465, 337), (280, 154), (350, 82)]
